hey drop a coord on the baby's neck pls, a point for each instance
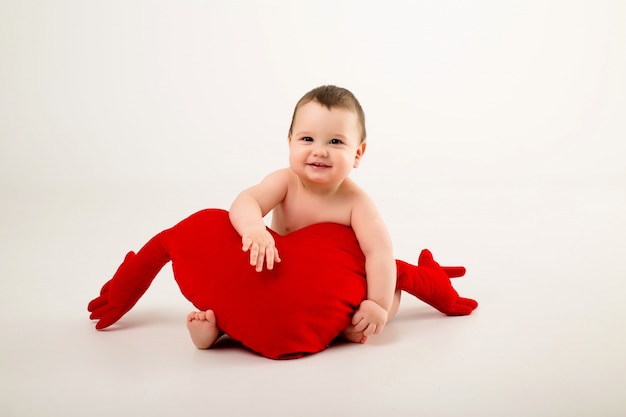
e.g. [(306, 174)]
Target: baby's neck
[(320, 190)]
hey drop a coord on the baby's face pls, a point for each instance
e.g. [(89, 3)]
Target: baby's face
[(325, 143)]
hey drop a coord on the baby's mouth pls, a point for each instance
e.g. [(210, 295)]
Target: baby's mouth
[(318, 165)]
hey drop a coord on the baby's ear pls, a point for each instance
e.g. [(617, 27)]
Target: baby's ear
[(359, 154)]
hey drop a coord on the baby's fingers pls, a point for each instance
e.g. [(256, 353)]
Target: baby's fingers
[(276, 256), (246, 242), (370, 330), (359, 323), (254, 254), (271, 257), (259, 257)]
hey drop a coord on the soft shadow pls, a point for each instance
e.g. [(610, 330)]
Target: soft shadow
[(226, 342), (416, 313), (146, 318)]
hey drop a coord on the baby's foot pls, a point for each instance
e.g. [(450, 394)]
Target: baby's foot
[(353, 336), (202, 328)]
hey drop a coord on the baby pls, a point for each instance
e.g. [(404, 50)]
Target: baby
[(326, 141)]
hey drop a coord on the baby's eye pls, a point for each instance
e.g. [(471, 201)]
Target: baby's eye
[(307, 139), (336, 142)]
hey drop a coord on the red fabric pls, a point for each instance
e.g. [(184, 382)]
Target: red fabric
[(296, 309), (431, 283)]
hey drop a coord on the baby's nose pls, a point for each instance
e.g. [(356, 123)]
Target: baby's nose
[(320, 150)]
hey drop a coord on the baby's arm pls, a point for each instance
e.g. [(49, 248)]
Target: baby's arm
[(247, 212), (380, 267)]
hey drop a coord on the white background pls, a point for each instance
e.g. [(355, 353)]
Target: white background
[(496, 138)]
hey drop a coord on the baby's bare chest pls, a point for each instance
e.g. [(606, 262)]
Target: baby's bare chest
[(295, 214)]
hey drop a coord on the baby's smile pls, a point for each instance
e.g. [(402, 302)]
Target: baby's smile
[(318, 165)]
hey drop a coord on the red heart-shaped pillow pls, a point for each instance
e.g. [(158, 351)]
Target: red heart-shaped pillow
[(298, 307)]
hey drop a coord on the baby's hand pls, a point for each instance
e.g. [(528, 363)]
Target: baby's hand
[(370, 318), (262, 247)]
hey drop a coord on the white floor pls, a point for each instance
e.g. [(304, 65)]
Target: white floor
[(546, 265), (508, 117)]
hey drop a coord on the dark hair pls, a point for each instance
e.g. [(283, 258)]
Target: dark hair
[(331, 96)]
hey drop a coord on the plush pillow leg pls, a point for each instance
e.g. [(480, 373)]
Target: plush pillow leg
[(430, 282), (130, 282)]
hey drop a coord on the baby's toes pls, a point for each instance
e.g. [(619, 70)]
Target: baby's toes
[(209, 316)]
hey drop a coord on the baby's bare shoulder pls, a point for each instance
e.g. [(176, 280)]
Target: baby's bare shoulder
[(363, 207), (283, 174), (355, 193)]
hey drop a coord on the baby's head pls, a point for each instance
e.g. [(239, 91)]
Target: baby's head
[(331, 97)]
